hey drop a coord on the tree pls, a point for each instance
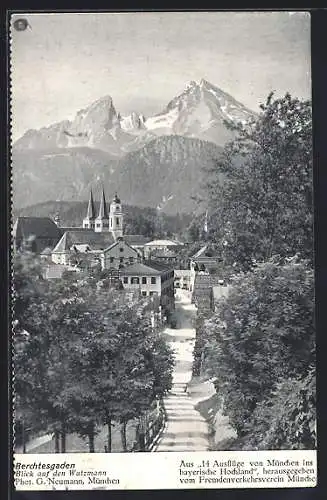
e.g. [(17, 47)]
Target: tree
[(260, 339), (84, 355), (260, 192)]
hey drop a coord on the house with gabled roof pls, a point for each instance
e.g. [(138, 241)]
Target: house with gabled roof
[(99, 242), (74, 243), (119, 254)]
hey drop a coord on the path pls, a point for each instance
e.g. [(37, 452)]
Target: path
[(186, 429)]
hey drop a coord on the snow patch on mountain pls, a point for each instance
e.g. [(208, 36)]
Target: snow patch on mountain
[(200, 111), (166, 120)]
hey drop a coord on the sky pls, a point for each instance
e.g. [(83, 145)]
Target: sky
[(65, 61)]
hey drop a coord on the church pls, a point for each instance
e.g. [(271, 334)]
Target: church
[(100, 240)]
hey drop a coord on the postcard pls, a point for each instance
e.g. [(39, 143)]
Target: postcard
[(162, 250)]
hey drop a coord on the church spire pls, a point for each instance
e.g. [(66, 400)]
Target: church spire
[(88, 222), (90, 209), (102, 220), (103, 211)]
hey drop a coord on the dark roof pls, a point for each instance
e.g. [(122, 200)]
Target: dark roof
[(203, 284), (136, 239), (96, 241), (90, 209), (145, 268), (40, 227), (119, 242), (103, 211), (158, 265)]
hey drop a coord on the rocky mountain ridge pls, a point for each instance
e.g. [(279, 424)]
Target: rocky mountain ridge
[(158, 161), (200, 111)]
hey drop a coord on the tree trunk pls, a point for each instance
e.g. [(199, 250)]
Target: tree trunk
[(123, 436), (24, 437), (91, 441), (109, 434), (57, 443), (63, 438)]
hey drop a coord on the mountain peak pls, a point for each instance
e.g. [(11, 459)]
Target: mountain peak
[(191, 84), (199, 111), (205, 83)]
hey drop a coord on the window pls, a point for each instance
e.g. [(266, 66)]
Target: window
[(144, 280), (117, 221), (151, 293), (125, 279), (131, 260), (111, 260), (98, 224), (110, 222), (153, 280), (135, 280), (121, 259), (121, 249), (144, 294)]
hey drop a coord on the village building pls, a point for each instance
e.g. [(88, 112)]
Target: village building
[(137, 241), (205, 260), (166, 256), (183, 278), (99, 237), (98, 232), (154, 246), (119, 254), (74, 245), (203, 294), (151, 279), (36, 232)]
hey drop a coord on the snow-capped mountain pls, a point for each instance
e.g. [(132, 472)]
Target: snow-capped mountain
[(200, 111), (132, 123), (98, 126), (158, 161)]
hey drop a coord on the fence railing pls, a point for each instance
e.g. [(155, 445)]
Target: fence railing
[(149, 429)]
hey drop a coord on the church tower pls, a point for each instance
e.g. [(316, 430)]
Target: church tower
[(88, 222), (116, 218), (102, 221)]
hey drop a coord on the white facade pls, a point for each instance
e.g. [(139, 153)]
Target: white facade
[(148, 285), (116, 218), (158, 283)]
